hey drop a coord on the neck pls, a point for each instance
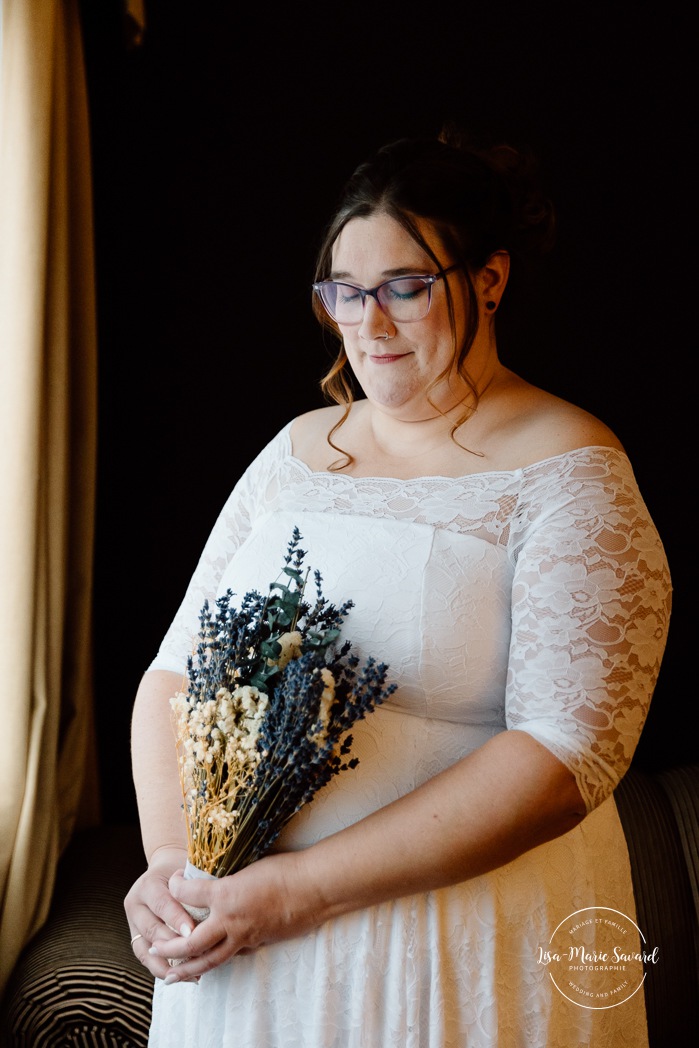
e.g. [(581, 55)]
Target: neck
[(409, 437)]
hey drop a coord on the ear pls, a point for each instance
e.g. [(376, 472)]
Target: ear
[(491, 281)]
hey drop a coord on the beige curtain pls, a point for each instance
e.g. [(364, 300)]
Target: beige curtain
[(47, 456)]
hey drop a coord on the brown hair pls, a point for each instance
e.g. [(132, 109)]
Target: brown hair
[(478, 200)]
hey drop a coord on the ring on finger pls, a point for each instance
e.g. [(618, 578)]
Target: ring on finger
[(137, 936)]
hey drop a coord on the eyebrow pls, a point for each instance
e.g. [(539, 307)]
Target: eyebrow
[(399, 271)]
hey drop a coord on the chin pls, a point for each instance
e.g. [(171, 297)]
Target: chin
[(394, 394), (403, 409)]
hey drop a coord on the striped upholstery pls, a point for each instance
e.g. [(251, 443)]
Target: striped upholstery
[(82, 1004), (682, 788), (78, 984), (660, 851)]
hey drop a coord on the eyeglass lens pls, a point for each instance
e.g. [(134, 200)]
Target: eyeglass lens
[(403, 299)]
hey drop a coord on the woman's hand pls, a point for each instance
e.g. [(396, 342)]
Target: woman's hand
[(267, 901), (152, 912)]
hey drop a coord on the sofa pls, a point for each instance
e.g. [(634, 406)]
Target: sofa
[(77, 984)]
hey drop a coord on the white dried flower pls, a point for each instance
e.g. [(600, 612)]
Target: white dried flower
[(221, 818), (291, 648), (326, 700)]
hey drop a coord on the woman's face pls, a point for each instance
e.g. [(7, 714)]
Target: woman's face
[(396, 373)]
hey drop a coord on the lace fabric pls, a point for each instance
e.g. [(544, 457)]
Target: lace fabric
[(550, 580), (537, 600)]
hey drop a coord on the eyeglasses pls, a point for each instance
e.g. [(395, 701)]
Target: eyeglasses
[(401, 299)]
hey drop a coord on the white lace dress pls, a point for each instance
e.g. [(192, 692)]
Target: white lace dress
[(536, 600)]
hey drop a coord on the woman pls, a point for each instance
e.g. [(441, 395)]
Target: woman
[(501, 560)]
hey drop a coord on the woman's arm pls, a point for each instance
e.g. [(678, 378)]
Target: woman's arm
[(505, 798), (154, 758), (150, 908)]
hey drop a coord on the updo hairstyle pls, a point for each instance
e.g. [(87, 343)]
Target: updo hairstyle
[(479, 201)]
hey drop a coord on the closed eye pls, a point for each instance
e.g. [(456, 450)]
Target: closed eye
[(347, 293), (404, 290)]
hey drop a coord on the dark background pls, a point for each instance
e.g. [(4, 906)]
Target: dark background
[(219, 147)]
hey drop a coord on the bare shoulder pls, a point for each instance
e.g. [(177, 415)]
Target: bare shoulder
[(567, 426), (309, 433), (536, 425)]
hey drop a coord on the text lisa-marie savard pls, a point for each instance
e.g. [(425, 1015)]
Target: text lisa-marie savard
[(580, 955)]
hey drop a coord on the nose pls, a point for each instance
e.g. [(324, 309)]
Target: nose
[(375, 324)]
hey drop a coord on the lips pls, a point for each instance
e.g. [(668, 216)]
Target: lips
[(387, 358)]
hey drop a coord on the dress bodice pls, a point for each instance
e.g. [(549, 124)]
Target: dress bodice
[(529, 599)]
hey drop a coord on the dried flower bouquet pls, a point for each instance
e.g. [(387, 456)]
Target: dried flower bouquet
[(262, 721)]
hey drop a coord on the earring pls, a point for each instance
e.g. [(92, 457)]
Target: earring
[(490, 305)]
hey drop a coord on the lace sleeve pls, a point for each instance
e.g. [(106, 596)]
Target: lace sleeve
[(229, 532), (590, 612)]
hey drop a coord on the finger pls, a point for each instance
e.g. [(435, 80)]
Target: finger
[(181, 948), (191, 957), (173, 918), (193, 892), (157, 966), (192, 968), (147, 923)]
